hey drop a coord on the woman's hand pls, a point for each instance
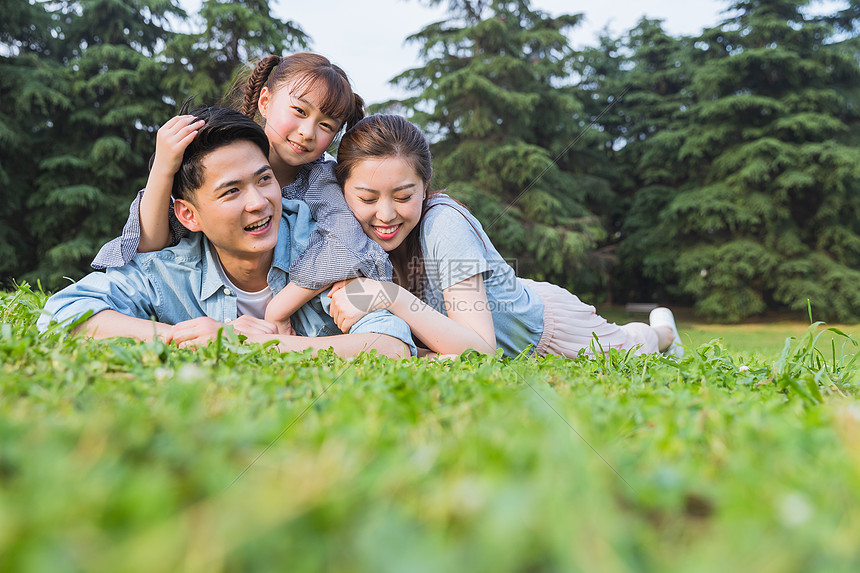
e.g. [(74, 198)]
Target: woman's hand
[(352, 299)]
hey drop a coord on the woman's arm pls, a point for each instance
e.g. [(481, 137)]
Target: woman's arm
[(469, 324)]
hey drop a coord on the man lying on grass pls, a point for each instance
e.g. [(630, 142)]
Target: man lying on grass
[(227, 272)]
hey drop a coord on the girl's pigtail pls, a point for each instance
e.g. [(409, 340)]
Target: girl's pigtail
[(357, 112), (255, 84)]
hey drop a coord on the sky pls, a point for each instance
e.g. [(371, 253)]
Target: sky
[(367, 37)]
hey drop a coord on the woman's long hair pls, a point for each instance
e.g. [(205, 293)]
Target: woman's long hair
[(379, 136)]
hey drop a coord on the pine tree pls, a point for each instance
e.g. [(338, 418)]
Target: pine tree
[(204, 64), (98, 147), (86, 84), (31, 92), (496, 99), (764, 205), (637, 86)]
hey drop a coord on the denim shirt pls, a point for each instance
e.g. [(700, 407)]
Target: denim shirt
[(182, 282), (337, 249)]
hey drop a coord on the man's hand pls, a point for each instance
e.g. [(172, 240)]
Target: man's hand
[(285, 327), (195, 332), (250, 325), (199, 331)]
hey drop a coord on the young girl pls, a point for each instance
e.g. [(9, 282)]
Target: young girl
[(304, 101), (452, 287)]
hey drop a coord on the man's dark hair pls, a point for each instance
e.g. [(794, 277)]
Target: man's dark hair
[(223, 126)]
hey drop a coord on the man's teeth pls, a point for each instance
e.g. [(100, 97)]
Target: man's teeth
[(258, 226)]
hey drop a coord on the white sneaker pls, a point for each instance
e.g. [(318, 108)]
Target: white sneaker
[(662, 316)]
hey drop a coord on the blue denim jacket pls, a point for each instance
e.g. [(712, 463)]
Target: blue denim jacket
[(182, 282)]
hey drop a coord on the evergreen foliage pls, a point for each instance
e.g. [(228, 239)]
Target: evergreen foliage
[(636, 87), (496, 99), (719, 171), (85, 84), (29, 94), (96, 155), (760, 204)]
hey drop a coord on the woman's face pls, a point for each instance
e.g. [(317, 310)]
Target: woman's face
[(385, 195)]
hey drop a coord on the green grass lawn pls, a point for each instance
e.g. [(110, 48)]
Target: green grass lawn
[(120, 456), (765, 337)]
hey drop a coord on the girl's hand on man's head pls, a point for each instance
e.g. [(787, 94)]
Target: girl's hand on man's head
[(172, 139)]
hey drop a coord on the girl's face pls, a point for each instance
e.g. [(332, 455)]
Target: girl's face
[(297, 130), (386, 196)]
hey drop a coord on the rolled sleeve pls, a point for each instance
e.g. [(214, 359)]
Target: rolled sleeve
[(383, 322), (122, 250), (125, 290), (376, 322), (453, 249)]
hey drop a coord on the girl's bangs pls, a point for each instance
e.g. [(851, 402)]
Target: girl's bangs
[(336, 99)]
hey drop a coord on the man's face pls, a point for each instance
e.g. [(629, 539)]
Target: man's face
[(238, 207)]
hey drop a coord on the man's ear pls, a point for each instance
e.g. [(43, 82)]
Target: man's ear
[(187, 214), (264, 101)]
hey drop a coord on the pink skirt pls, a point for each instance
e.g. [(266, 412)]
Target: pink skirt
[(569, 325)]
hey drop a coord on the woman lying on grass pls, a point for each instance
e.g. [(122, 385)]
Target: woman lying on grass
[(450, 283)]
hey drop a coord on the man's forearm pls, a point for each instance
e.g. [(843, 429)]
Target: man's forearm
[(110, 323), (344, 345)]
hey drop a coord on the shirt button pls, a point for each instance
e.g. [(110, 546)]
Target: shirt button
[(227, 291)]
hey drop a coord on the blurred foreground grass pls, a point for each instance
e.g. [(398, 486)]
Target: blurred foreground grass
[(121, 456)]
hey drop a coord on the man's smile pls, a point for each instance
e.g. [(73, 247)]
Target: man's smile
[(260, 227)]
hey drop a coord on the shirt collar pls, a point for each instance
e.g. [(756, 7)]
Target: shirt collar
[(293, 234), (282, 258), (297, 224), (210, 281)]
